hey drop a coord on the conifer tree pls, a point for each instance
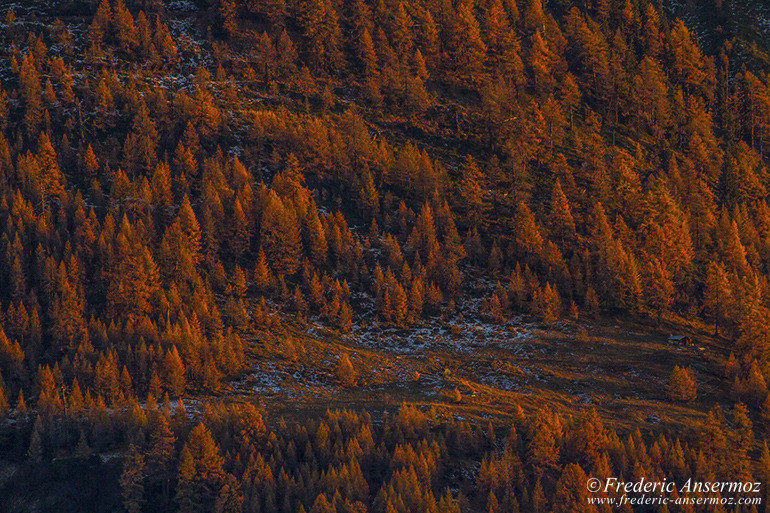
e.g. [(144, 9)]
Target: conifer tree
[(471, 51), (82, 450), (51, 177), (571, 493), (190, 229), (320, 22), (660, 289), (161, 452), (562, 222), (280, 236), (681, 385), (543, 452), (174, 372), (345, 371), (36, 451), (718, 296), (141, 145), (472, 193), (127, 33), (186, 497), (131, 486), (31, 88)]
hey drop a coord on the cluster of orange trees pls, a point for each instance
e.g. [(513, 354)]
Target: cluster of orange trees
[(175, 179)]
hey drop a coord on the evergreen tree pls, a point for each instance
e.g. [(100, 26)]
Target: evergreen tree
[(186, 497), (571, 493), (131, 486), (345, 371), (718, 296), (562, 222), (660, 288), (681, 385), (280, 236), (174, 372)]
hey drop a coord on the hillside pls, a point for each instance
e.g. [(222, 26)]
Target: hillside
[(380, 256)]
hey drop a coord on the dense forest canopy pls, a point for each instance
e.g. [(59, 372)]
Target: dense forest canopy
[(179, 182)]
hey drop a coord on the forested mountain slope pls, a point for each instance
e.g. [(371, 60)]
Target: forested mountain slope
[(188, 185)]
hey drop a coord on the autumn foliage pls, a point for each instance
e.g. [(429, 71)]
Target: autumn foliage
[(179, 181)]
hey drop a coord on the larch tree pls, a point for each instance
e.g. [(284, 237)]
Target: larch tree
[(471, 52), (320, 22), (208, 464), (718, 296), (31, 89), (174, 371), (472, 193), (681, 385), (571, 494), (561, 220), (52, 180), (543, 453), (186, 497), (126, 31), (660, 288), (345, 371), (141, 145), (541, 62), (650, 91), (3, 400), (190, 229), (161, 453), (529, 241), (131, 485), (401, 33), (280, 236)]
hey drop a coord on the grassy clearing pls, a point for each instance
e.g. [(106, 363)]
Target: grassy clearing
[(620, 368)]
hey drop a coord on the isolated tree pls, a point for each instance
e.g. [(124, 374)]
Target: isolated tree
[(681, 385), (345, 371)]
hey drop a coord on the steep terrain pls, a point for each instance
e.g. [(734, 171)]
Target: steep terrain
[(466, 229)]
